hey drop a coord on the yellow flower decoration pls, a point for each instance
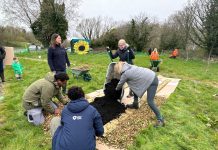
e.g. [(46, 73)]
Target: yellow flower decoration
[(81, 47)]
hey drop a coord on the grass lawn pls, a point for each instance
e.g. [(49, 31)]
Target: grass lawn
[(191, 111)]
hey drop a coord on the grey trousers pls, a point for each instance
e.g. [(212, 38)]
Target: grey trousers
[(55, 123)]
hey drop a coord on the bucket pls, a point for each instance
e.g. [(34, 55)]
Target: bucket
[(35, 116)]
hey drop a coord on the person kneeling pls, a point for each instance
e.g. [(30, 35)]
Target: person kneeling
[(38, 96), (79, 124)]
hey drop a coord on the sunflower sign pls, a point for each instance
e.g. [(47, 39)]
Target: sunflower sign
[(80, 46)]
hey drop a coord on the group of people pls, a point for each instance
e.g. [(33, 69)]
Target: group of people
[(80, 122), (139, 79), (154, 55)]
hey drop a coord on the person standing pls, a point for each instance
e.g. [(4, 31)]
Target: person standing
[(18, 68), (154, 55), (149, 51), (2, 57), (57, 56), (139, 80), (125, 53)]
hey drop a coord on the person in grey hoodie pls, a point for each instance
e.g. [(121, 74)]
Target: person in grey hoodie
[(139, 81)]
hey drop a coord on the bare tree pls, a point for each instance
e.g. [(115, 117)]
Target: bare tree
[(27, 11), (86, 28), (94, 28), (198, 9), (184, 19), (108, 24)]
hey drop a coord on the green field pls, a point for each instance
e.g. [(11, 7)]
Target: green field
[(191, 111)]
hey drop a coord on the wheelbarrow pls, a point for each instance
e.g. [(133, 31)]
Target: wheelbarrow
[(81, 72), (155, 65)]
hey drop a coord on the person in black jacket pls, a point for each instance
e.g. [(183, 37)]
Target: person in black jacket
[(57, 56), (125, 53), (2, 57)]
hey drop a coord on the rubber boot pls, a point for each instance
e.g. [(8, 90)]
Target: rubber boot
[(135, 104)]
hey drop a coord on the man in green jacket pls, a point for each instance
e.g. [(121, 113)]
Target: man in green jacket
[(39, 96)]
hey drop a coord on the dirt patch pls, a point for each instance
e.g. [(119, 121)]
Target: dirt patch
[(122, 136), (108, 108)]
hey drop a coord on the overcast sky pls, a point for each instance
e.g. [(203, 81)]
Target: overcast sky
[(123, 10)]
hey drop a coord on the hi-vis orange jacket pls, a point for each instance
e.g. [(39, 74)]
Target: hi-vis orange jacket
[(154, 55), (175, 52)]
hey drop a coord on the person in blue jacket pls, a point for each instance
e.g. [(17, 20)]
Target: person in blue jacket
[(80, 124), (57, 56)]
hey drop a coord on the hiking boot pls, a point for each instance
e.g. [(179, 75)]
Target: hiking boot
[(159, 123), (133, 106)]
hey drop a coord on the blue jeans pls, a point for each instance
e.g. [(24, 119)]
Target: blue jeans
[(151, 91)]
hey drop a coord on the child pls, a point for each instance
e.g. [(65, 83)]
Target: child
[(18, 69)]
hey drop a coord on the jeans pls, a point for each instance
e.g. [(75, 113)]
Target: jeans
[(151, 91), (2, 71), (55, 123)]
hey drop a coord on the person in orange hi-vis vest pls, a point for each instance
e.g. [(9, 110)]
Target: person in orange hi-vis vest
[(154, 55), (174, 53)]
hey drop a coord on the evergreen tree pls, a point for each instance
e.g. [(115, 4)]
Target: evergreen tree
[(51, 20), (211, 26)]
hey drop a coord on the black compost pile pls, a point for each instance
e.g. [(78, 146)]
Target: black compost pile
[(108, 106), (110, 90)]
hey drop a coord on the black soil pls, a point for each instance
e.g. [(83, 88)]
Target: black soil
[(110, 89), (108, 108)]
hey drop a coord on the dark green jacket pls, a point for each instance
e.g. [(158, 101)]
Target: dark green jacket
[(41, 92)]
